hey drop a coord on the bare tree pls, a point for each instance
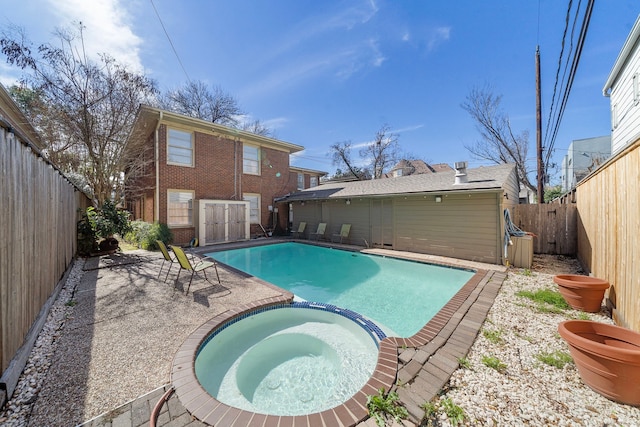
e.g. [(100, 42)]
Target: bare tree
[(377, 155), (382, 153), (499, 143), (197, 99), (257, 127), (341, 153), (85, 109)]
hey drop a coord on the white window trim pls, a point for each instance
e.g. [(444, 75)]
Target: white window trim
[(175, 190), (193, 149), (257, 161), (313, 181), (259, 200), (300, 183)]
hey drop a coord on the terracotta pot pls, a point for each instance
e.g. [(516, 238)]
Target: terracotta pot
[(607, 357), (582, 292)]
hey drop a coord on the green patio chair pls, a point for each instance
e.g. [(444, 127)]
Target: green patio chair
[(167, 258), (322, 228), (300, 231), (344, 233), (200, 265)]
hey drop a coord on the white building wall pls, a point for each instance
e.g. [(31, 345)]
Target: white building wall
[(625, 95)]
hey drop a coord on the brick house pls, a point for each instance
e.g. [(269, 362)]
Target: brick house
[(210, 181)]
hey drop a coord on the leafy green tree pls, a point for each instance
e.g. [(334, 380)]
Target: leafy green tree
[(551, 193)]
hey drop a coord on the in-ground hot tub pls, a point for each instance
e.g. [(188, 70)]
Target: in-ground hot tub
[(288, 360)]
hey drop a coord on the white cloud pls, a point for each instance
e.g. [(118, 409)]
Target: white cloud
[(107, 28), (378, 57), (407, 129), (438, 36), (276, 122)]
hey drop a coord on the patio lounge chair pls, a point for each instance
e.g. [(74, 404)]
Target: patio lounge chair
[(300, 231), (200, 265), (343, 235), (322, 228), (167, 258)]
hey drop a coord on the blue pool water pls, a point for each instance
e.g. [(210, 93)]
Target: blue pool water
[(401, 296), (289, 360)]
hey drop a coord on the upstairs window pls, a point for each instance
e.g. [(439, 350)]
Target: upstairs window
[(251, 159), (300, 181), (180, 148), (313, 181)]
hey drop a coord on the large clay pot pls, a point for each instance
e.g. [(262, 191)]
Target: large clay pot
[(582, 292), (607, 357)]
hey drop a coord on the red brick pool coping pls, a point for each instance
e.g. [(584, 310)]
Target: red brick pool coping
[(201, 405)]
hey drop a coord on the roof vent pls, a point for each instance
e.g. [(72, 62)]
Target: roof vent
[(461, 173)]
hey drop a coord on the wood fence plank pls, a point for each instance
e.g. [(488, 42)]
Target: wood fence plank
[(554, 225)]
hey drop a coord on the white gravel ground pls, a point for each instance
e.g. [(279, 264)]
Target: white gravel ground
[(529, 392)]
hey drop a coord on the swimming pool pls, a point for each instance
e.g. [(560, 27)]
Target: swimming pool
[(401, 296)]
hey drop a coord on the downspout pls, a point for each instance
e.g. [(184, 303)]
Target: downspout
[(156, 208), (235, 168)]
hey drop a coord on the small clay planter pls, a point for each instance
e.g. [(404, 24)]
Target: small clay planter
[(607, 358), (582, 292)]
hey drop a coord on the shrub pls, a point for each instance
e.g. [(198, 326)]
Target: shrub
[(102, 223), (144, 234)]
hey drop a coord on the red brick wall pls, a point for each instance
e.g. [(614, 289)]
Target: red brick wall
[(212, 177)]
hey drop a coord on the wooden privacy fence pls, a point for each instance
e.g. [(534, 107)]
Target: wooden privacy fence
[(38, 215), (555, 227), (609, 221)]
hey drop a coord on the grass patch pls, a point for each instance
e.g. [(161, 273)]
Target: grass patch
[(381, 407), (557, 359), (464, 362), (454, 413), (494, 336), (494, 363), (546, 300), (583, 316)]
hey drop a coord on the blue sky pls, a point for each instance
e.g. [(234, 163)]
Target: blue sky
[(321, 72)]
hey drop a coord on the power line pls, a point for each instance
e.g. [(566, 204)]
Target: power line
[(175, 52), (555, 85), (572, 74), (554, 122)]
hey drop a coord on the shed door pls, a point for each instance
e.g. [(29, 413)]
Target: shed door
[(214, 222), (382, 223), (237, 221)]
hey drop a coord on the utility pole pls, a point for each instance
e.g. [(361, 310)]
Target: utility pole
[(539, 130)]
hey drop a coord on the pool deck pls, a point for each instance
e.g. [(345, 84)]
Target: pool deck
[(416, 367)]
